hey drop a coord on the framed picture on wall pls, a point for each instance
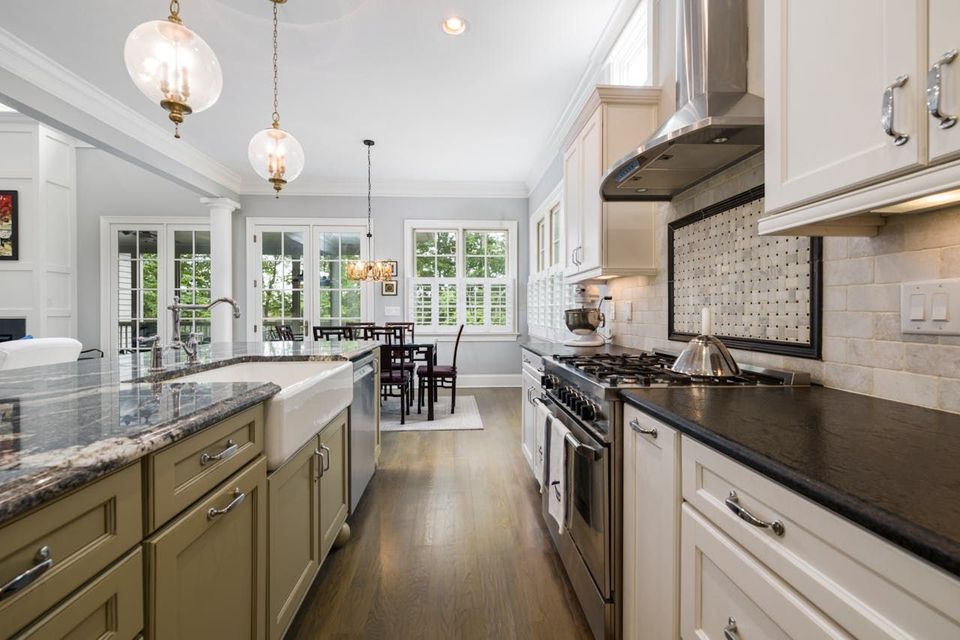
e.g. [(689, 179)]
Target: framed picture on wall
[(9, 238), (388, 288), (393, 267)]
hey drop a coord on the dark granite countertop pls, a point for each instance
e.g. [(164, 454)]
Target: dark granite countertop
[(545, 348), (62, 426), (890, 467)]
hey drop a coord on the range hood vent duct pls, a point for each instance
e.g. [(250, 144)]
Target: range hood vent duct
[(718, 122)]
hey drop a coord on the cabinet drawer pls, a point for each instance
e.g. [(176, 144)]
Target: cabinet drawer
[(184, 472), (726, 593), (531, 362), (82, 532), (867, 585), (109, 607), (206, 570)]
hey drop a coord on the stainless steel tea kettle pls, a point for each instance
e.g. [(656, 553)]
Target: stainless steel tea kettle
[(706, 355)]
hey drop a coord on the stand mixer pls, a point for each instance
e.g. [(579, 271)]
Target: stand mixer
[(584, 321)]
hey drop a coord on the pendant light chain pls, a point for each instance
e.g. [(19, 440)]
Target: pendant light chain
[(276, 70), (175, 12), (369, 196)]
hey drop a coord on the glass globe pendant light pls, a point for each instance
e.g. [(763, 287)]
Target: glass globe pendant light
[(369, 270), (276, 155), (173, 66)]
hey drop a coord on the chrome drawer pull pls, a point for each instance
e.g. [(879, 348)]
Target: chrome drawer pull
[(886, 118), (635, 425), (733, 503), (935, 90), (43, 561), (326, 458), (238, 497), (730, 631), (323, 463), (227, 452)]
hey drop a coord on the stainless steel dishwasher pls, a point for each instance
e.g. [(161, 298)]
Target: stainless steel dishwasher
[(363, 427)]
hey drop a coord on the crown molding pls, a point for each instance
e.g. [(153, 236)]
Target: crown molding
[(36, 68), (585, 89), (391, 188)]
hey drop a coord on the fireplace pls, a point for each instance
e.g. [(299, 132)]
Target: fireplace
[(12, 328)]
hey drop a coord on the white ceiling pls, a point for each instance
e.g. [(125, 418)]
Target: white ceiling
[(474, 108)]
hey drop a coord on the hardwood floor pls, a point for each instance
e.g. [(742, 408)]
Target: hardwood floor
[(448, 542)]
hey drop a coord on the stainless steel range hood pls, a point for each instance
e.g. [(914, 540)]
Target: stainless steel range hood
[(717, 122)]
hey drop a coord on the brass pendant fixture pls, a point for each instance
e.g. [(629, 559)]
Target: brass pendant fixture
[(369, 270), (275, 154), (173, 66)]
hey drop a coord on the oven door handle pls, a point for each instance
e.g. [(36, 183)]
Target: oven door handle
[(582, 449)]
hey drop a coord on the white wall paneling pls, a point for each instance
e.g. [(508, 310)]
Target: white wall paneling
[(40, 164)]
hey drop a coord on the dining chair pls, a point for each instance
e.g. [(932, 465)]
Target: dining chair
[(284, 332), (361, 330), (443, 377), (332, 333), (409, 327), (396, 379)]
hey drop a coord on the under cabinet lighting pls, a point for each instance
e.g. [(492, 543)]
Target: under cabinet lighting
[(934, 201), (454, 26)]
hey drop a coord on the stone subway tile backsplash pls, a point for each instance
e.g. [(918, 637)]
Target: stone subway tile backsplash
[(863, 349)]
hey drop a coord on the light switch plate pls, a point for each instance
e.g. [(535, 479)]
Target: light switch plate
[(935, 302), (627, 311), (391, 312)]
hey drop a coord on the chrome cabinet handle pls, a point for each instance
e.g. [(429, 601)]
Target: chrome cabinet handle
[(886, 118), (540, 370), (323, 463), (228, 451), (326, 458), (526, 361), (636, 426), (730, 631), (530, 395), (238, 497), (935, 90), (43, 561), (733, 503)]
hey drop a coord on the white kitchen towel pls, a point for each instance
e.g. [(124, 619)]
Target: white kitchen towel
[(541, 426), (557, 474)]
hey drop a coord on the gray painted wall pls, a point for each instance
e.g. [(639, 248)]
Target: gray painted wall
[(549, 181), (110, 186)]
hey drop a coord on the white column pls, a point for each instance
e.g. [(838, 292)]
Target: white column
[(221, 265)]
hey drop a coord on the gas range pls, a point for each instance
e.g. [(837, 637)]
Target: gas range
[(589, 386)]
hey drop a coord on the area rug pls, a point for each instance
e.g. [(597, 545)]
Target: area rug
[(466, 418)]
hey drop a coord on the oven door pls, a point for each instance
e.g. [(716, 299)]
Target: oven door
[(588, 497)]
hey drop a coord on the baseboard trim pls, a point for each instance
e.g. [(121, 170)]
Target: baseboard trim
[(488, 380)]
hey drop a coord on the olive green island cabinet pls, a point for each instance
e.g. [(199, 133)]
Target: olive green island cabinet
[(192, 541)]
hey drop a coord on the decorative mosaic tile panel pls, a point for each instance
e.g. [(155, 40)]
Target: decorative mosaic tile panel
[(758, 288)]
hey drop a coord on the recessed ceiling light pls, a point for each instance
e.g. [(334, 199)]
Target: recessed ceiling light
[(719, 140), (641, 190), (454, 26)]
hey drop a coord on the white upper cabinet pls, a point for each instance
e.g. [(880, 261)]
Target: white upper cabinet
[(943, 79), (605, 240), (853, 122), (829, 66)]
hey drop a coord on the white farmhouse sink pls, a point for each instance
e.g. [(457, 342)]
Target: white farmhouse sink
[(311, 394)]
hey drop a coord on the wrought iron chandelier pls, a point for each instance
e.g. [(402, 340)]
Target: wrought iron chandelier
[(173, 66), (275, 154), (369, 270)]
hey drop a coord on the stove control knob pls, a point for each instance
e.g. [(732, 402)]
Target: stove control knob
[(588, 411)]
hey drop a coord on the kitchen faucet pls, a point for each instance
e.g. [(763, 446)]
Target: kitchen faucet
[(191, 346)]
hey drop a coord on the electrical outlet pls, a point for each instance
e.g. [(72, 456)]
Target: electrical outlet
[(627, 311), (391, 312), (931, 307)]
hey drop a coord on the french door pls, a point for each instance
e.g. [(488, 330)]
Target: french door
[(297, 276), (144, 265)]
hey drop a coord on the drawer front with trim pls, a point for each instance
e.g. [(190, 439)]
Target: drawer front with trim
[(110, 607), (184, 472), (867, 585), (726, 594), (531, 362), (50, 552)]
